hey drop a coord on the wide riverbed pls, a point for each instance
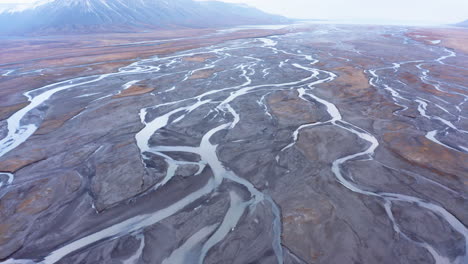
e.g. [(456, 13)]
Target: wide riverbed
[(310, 144)]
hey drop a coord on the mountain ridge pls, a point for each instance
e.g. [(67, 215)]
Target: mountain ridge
[(89, 16), (462, 24)]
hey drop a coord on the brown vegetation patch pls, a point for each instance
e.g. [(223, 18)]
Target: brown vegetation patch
[(351, 90), (134, 90), (450, 75), (410, 78), (353, 79), (15, 163), (21, 206), (56, 123), (397, 125), (423, 152), (7, 111), (425, 37), (416, 82), (34, 203), (203, 74), (302, 215), (199, 58), (455, 38)]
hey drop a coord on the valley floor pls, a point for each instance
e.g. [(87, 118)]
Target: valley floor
[(300, 144)]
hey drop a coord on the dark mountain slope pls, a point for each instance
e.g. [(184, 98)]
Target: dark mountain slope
[(63, 16)]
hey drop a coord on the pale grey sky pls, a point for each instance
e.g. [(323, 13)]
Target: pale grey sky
[(435, 11)]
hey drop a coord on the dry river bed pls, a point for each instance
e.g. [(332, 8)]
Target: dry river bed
[(317, 144)]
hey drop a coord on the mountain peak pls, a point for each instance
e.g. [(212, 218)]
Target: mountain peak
[(86, 16)]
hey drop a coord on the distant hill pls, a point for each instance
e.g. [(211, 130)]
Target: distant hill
[(463, 24), (86, 16)]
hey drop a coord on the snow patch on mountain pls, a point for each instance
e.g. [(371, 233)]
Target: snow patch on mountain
[(128, 15)]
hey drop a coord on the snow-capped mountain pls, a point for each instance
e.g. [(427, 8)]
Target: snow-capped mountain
[(64, 16)]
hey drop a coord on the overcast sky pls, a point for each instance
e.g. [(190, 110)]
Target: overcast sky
[(435, 11)]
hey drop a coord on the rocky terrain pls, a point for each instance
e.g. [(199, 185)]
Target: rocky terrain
[(311, 144)]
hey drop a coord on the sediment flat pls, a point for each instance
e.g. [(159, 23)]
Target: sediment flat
[(301, 144)]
